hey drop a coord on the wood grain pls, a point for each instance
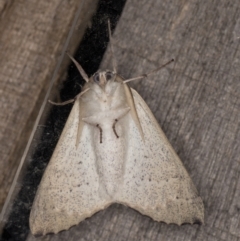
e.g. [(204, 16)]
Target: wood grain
[(32, 35)]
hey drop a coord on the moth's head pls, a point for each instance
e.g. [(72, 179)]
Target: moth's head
[(102, 78), (103, 83)]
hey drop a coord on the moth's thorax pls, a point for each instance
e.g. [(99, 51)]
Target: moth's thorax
[(106, 92)]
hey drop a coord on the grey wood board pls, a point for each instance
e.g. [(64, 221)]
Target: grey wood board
[(32, 36), (196, 101)]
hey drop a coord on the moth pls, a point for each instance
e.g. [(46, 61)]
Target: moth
[(112, 150)]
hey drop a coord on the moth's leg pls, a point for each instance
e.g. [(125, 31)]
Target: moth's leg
[(71, 100), (62, 103), (146, 75), (114, 128), (100, 129), (118, 115)]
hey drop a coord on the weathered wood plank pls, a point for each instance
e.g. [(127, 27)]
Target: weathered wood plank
[(196, 101), (32, 35)]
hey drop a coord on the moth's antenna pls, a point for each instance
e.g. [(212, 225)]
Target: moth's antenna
[(84, 75), (146, 75), (79, 67), (111, 45)]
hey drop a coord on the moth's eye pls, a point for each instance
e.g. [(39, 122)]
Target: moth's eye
[(96, 78), (109, 75)]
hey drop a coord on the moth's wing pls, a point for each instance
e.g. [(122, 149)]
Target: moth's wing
[(69, 191), (155, 181)]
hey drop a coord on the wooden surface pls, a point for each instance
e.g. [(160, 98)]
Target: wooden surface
[(196, 101), (32, 35)]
